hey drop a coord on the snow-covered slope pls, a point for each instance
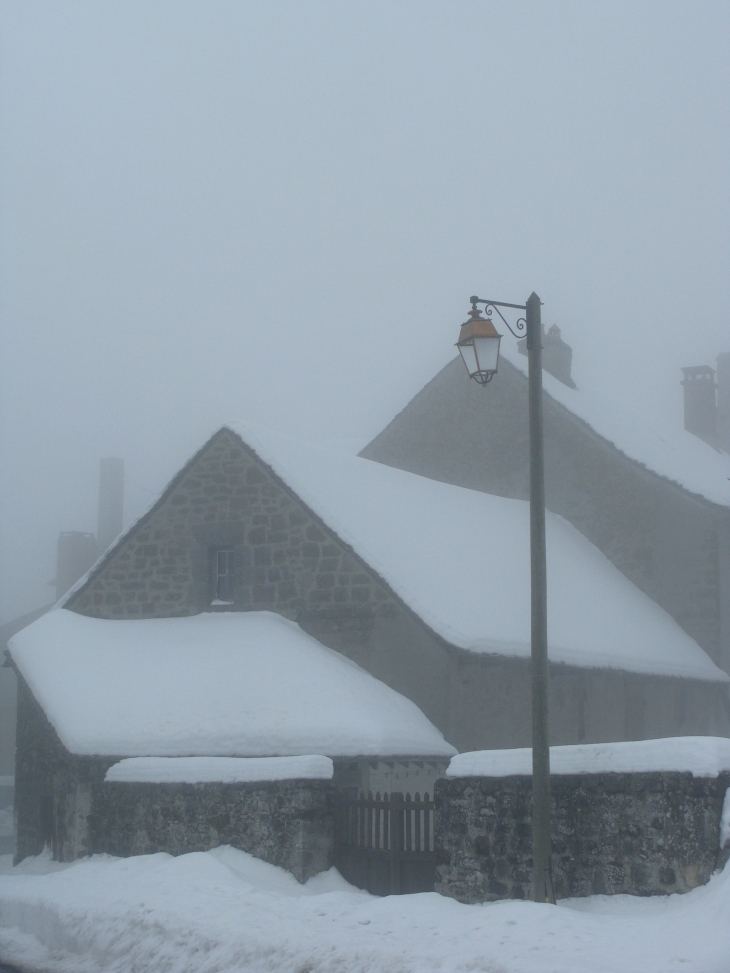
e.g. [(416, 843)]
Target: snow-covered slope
[(218, 684), (460, 559), (657, 441)]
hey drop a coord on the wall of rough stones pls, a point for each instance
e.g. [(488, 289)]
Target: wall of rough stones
[(288, 823), (673, 545), (642, 834), (284, 558)]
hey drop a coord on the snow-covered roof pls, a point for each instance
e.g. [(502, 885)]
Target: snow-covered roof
[(223, 770), (652, 436), (243, 684), (460, 560), (699, 756)]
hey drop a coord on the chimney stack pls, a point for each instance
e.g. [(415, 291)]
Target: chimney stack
[(111, 501), (700, 408), (557, 356), (723, 401)]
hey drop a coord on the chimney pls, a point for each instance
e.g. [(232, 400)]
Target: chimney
[(723, 401), (76, 553), (557, 356), (111, 501), (700, 409)]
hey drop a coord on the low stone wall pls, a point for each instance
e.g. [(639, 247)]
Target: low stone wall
[(643, 834), (287, 823)]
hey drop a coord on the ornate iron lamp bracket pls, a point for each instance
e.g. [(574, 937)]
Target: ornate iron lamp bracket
[(491, 306)]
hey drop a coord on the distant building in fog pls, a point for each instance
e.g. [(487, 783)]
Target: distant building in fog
[(653, 498)]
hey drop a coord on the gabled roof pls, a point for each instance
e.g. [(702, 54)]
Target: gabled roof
[(658, 442), (245, 684), (460, 560)]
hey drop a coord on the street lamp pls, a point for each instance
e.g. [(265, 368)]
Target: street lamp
[(479, 347)]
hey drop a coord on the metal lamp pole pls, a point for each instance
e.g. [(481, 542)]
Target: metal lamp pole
[(479, 346)]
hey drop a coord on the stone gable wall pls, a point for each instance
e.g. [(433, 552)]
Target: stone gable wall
[(285, 559), (674, 546), (641, 834)]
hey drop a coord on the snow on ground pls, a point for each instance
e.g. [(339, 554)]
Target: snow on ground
[(700, 756), (461, 560), (223, 911), (248, 684), (226, 770)]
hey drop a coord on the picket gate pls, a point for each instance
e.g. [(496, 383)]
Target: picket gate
[(386, 844)]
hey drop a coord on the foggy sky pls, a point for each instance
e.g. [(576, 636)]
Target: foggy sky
[(277, 212)]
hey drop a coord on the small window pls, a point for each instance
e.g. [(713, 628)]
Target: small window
[(223, 578)]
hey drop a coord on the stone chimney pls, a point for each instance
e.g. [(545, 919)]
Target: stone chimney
[(557, 357), (723, 401), (700, 407), (111, 501), (75, 554)]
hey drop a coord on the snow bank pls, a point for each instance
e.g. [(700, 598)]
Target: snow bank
[(222, 911), (224, 770), (461, 560), (244, 684), (700, 756), (657, 441)]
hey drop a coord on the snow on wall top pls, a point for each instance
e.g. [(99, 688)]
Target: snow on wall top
[(222, 770), (460, 559), (699, 756), (658, 442), (248, 684)]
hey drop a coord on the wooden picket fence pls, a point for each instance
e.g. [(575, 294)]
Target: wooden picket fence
[(386, 844)]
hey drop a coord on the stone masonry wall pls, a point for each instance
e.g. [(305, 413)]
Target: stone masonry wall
[(673, 545), (642, 834), (285, 560), (286, 823)]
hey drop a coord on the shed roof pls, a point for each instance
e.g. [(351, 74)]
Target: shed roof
[(247, 684)]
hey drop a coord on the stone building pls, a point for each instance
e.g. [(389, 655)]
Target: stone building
[(652, 496), (423, 584), (180, 734)]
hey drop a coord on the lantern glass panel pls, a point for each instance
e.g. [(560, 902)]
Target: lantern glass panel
[(487, 352), (469, 357)]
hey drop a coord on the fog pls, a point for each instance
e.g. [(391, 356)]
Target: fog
[(277, 212)]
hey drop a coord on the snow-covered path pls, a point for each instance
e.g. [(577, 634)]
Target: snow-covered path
[(224, 911)]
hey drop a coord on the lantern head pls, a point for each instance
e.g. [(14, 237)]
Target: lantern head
[(479, 346)]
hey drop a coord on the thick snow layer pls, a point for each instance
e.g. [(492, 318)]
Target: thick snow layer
[(223, 911), (700, 756), (245, 684), (223, 770), (653, 438), (461, 560)]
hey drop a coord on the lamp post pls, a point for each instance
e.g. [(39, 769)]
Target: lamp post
[(479, 347)]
